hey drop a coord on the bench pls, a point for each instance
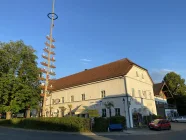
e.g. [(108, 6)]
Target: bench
[(113, 127)]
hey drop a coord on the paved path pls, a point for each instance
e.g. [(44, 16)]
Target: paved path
[(178, 132)]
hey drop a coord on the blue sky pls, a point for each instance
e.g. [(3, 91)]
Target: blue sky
[(89, 33)]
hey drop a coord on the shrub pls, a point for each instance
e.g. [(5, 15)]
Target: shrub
[(72, 124), (101, 124), (147, 119)]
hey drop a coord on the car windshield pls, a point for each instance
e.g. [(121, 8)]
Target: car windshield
[(156, 121)]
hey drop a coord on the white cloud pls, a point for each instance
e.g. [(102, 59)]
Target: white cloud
[(86, 60), (158, 75)]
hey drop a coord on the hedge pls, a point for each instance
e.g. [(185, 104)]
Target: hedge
[(101, 124), (148, 119), (70, 124), (67, 124)]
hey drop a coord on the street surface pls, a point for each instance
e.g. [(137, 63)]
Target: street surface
[(178, 132)]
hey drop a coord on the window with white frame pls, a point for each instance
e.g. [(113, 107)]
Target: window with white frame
[(137, 75), (72, 98), (63, 100), (142, 76), (133, 92), (103, 94), (145, 94), (83, 97), (139, 92), (117, 111), (150, 97)]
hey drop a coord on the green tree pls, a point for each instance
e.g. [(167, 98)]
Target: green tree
[(177, 87), (19, 83), (93, 113), (109, 105), (70, 107)]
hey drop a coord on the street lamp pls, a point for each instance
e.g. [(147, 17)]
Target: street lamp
[(129, 99)]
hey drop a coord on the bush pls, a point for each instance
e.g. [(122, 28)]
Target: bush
[(101, 124), (70, 124), (148, 119)]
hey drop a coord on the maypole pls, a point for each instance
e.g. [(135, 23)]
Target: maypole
[(47, 71)]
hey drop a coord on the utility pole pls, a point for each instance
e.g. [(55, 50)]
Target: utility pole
[(48, 64)]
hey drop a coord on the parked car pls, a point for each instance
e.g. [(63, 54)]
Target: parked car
[(180, 119), (160, 124)]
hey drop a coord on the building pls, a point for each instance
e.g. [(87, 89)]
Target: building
[(161, 94), (126, 84)]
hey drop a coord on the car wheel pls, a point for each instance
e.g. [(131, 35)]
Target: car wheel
[(176, 121), (169, 128)]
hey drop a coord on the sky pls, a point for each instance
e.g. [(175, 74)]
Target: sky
[(89, 33)]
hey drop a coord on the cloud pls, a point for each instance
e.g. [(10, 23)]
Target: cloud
[(86, 60), (158, 75)]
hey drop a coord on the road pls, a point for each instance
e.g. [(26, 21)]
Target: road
[(178, 133)]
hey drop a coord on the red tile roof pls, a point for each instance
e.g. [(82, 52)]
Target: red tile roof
[(110, 70), (157, 88)]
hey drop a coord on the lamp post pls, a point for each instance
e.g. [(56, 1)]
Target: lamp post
[(128, 108)]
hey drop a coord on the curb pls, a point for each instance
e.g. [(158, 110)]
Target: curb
[(124, 133)]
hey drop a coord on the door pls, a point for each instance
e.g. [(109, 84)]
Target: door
[(163, 124)]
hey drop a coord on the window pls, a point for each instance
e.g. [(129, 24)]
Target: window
[(104, 113), (139, 92), (145, 94), (72, 98), (133, 92), (142, 76), (103, 94), (117, 111), (137, 75), (83, 97), (63, 99), (150, 95)]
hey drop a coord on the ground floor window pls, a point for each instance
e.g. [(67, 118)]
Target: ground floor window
[(117, 112), (104, 114)]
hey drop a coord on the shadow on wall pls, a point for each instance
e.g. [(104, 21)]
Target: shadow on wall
[(134, 110)]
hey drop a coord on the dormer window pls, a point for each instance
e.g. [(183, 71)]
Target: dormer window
[(142, 76), (137, 75)]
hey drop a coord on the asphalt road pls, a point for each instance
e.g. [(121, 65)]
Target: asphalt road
[(17, 134)]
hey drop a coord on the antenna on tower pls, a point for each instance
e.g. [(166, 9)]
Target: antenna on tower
[(47, 72)]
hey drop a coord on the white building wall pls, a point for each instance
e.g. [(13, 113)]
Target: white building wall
[(114, 90), (138, 79)]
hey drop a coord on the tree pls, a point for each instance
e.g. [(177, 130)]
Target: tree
[(109, 105), (93, 113), (177, 87), (70, 107), (62, 111), (19, 83), (175, 83)]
